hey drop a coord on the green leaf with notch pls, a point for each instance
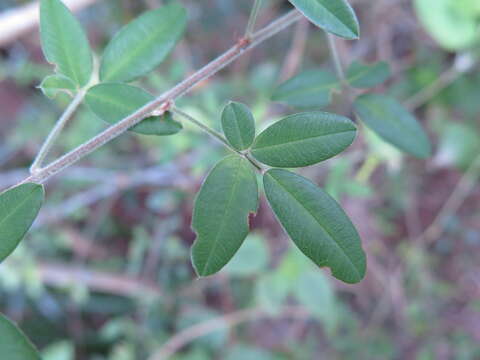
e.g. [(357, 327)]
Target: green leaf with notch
[(220, 216), (393, 123), (14, 345), (316, 224), (238, 125), (113, 102), (304, 139), (52, 85), (64, 42), (334, 16), (19, 207), (309, 89), (366, 76), (143, 44)]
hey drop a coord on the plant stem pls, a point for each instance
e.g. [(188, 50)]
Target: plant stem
[(179, 90), (336, 59), (253, 18), (253, 161), (57, 129), (204, 127), (216, 135)]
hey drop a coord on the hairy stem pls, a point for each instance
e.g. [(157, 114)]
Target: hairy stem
[(57, 129), (253, 18), (179, 90)]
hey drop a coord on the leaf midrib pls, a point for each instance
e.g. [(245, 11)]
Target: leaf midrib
[(18, 206), (393, 124), (330, 237), (327, 10), (111, 101), (115, 70), (299, 140), (222, 224)]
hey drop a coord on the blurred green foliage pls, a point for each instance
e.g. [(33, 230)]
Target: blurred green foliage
[(120, 234)]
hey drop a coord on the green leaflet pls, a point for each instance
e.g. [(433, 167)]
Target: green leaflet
[(316, 223), (54, 84), (112, 102), (366, 76), (220, 216), (304, 139), (14, 345), (18, 209), (334, 16), (391, 121), (143, 44), (64, 42), (309, 89), (238, 125)]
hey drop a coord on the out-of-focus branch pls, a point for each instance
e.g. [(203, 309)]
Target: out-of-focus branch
[(182, 338), (62, 275), (297, 50), (16, 22), (465, 186), (167, 175)]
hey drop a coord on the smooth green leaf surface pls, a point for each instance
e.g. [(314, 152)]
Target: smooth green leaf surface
[(449, 22), (316, 223), (220, 216), (366, 76), (309, 89), (393, 123), (112, 102), (238, 125), (18, 209), (64, 42), (304, 139), (14, 345), (143, 44), (334, 16), (52, 85)]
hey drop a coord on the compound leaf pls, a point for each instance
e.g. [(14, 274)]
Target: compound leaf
[(64, 42), (220, 216), (304, 139), (143, 44), (113, 102), (316, 224), (18, 209)]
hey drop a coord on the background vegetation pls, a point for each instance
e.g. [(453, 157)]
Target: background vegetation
[(105, 273)]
